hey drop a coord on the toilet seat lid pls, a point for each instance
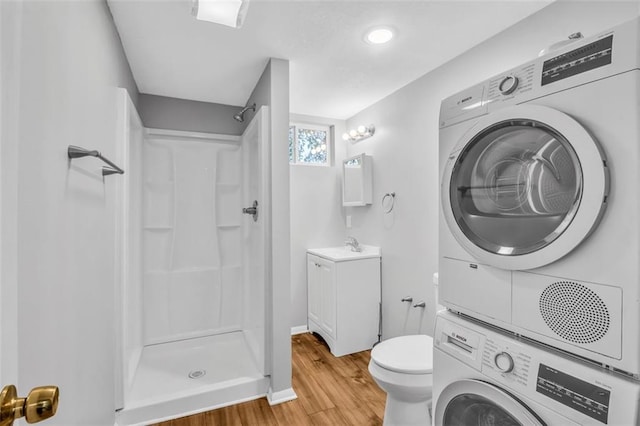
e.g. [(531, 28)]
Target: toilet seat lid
[(405, 354)]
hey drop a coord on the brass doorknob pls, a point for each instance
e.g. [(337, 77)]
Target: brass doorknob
[(40, 404)]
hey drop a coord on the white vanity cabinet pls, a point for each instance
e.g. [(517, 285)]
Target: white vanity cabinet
[(322, 294), (344, 298)]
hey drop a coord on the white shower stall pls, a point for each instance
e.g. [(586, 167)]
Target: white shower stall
[(192, 287)]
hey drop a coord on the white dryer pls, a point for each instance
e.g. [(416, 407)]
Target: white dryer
[(540, 218), (484, 376)]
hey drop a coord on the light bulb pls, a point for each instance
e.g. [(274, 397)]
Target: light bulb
[(313, 151), (353, 133), (362, 130), (229, 12), (379, 35), (345, 136), (324, 147)]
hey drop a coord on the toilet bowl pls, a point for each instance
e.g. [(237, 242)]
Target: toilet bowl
[(403, 368)]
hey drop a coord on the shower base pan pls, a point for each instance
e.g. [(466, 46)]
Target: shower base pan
[(191, 376)]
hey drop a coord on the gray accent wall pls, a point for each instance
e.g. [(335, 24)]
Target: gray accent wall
[(161, 112)]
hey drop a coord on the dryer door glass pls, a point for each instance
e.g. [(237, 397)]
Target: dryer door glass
[(515, 187)]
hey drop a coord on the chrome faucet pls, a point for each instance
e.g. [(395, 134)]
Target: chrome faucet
[(353, 243)]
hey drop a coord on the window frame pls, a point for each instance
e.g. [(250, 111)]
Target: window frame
[(329, 129)]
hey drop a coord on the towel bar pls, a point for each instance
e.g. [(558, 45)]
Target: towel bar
[(78, 152)]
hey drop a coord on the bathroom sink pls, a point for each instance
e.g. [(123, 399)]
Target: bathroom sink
[(343, 253)]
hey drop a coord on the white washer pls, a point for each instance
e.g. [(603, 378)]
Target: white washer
[(540, 218), (485, 376)]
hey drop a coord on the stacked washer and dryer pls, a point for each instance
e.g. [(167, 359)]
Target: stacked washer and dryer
[(540, 241)]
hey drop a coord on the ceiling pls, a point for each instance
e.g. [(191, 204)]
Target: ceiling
[(333, 72)]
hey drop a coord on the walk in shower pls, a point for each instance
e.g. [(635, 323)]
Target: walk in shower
[(194, 325)]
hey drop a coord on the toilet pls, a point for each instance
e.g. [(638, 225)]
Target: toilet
[(403, 368)]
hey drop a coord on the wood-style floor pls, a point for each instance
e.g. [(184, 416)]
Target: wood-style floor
[(331, 391)]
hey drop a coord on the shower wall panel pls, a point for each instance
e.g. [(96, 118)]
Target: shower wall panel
[(192, 237), (255, 241)]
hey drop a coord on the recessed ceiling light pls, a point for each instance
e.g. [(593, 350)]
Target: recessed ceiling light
[(379, 35)]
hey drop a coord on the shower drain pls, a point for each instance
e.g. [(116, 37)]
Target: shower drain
[(196, 374)]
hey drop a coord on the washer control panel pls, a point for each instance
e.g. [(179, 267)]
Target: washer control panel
[(506, 361), (585, 397)]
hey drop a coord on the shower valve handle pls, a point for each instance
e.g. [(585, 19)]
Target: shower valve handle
[(253, 210)]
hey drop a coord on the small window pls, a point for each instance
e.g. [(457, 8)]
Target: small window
[(309, 144)]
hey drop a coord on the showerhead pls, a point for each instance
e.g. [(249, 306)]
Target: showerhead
[(240, 116)]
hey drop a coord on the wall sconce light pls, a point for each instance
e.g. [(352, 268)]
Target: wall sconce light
[(225, 12), (362, 132)]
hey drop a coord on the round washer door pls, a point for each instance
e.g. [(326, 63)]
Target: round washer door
[(524, 187), (475, 403)]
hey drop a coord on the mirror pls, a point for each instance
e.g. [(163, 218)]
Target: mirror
[(357, 181)]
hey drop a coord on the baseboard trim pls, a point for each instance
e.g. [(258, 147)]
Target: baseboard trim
[(299, 329), (279, 397)]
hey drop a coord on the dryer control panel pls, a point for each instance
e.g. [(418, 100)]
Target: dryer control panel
[(516, 82), (583, 59), (607, 54)]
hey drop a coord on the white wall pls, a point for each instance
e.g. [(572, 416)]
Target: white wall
[(70, 62), (405, 151), (317, 216), (273, 90), (10, 29)]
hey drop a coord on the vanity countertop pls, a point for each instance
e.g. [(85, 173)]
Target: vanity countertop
[(344, 253)]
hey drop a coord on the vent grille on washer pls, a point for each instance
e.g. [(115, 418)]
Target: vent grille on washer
[(574, 312)]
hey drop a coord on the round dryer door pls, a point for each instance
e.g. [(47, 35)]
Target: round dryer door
[(524, 187), (477, 403)]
